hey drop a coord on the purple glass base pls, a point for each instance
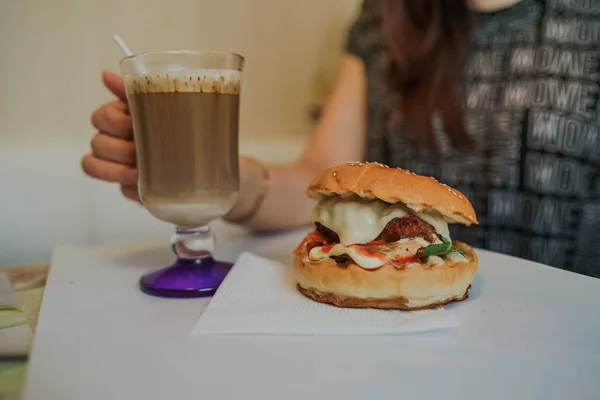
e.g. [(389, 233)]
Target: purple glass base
[(186, 278)]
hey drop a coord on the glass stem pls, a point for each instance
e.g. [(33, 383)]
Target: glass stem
[(192, 243)]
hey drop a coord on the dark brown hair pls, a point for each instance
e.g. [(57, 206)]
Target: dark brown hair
[(427, 43)]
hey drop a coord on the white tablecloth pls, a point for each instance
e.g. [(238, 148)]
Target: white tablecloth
[(528, 331)]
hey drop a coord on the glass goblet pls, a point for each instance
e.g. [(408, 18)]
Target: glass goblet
[(184, 107)]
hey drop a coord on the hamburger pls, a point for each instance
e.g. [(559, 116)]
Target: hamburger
[(381, 240)]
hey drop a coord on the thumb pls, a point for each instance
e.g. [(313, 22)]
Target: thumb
[(115, 84)]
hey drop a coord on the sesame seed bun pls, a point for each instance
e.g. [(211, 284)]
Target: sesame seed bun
[(388, 287), (393, 185), (412, 286)]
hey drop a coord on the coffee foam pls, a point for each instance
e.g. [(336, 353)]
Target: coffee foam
[(200, 80)]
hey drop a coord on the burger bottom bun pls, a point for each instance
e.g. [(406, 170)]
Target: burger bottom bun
[(388, 287)]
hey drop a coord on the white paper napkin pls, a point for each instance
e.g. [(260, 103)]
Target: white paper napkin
[(259, 296)]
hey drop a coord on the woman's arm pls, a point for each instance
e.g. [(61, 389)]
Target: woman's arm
[(338, 138)]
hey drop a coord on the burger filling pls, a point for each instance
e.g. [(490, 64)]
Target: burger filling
[(371, 233)]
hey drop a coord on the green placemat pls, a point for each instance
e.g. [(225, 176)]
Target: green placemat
[(11, 316), (12, 375), (27, 283)]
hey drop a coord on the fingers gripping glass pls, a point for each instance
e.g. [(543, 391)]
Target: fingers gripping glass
[(185, 111)]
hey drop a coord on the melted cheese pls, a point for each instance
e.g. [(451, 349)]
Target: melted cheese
[(455, 258), (400, 249), (437, 221), (361, 221)]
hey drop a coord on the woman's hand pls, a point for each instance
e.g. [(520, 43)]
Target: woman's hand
[(112, 156)]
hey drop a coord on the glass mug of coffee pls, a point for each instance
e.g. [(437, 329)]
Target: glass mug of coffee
[(185, 111)]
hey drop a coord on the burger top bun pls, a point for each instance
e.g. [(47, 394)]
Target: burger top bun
[(393, 185)]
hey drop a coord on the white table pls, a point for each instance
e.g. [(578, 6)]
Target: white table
[(527, 332)]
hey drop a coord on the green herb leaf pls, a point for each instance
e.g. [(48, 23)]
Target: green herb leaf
[(440, 249), (436, 249), (454, 249)]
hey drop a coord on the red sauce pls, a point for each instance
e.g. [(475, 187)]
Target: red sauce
[(327, 248), (315, 236), (375, 243), (312, 245), (313, 239), (368, 251), (401, 260)]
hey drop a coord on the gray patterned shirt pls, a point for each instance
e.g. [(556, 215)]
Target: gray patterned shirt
[(532, 106)]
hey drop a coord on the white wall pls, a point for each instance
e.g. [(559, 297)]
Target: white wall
[(52, 53)]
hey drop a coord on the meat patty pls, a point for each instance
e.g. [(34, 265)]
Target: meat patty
[(398, 228), (407, 227), (330, 235)]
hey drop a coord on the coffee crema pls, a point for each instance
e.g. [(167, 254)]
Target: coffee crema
[(221, 81), (186, 134)]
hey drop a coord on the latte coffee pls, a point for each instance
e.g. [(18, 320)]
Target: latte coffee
[(186, 134)]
